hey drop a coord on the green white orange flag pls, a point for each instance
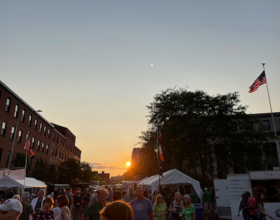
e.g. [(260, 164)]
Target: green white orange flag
[(158, 149)]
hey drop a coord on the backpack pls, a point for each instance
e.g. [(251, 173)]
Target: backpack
[(78, 202)]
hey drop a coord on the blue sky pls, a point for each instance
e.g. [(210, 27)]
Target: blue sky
[(87, 64)]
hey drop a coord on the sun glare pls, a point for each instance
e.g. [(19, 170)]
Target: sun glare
[(127, 163)]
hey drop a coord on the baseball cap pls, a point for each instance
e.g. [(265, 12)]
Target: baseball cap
[(11, 204)]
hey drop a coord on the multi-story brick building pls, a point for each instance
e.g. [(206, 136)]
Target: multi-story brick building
[(53, 143)]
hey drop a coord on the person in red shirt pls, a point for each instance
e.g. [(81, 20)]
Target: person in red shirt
[(251, 204)]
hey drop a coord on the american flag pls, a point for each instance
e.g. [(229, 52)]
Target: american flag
[(27, 143), (259, 81)]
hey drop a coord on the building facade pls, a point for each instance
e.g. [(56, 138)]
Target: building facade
[(51, 142), (104, 176), (136, 155), (117, 179)]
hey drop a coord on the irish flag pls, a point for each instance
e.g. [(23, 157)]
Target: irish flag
[(158, 149)]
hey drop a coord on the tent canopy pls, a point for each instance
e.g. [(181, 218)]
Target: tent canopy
[(142, 180), (32, 183), (171, 177), (7, 182)]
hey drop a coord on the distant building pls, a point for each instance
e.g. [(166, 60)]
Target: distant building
[(137, 153), (104, 176), (116, 179)]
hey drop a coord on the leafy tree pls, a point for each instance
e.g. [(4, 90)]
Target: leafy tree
[(204, 136), (19, 161), (69, 171), (41, 170)]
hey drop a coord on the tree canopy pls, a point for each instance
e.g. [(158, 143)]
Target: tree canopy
[(202, 135)]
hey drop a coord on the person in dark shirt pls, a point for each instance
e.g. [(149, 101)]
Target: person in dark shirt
[(244, 208), (272, 194), (10, 194)]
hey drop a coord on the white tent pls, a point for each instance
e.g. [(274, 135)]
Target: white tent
[(7, 182), (142, 180), (171, 177), (32, 183)]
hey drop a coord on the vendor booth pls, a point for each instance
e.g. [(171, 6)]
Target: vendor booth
[(30, 183), (229, 191), (7, 182), (171, 177)]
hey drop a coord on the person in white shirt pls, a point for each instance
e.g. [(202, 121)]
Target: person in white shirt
[(37, 203)]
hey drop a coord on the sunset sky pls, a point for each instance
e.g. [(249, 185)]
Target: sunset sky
[(87, 64)]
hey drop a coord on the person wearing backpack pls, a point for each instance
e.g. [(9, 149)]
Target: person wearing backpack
[(77, 206)]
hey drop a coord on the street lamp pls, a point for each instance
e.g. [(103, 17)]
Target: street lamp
[(11, 154)]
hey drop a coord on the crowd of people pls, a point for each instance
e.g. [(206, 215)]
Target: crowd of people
[(253, 208), (103, 204)]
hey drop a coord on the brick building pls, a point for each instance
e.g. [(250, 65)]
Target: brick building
[(104, 176), (52, 142)]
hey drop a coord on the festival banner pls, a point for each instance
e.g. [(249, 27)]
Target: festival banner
[(14, 174)]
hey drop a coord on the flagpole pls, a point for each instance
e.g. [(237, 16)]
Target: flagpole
[(158, 160), (272, 118), (25, 164)]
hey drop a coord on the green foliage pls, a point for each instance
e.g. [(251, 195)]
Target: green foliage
[(204, 136), (42, 170), (19, 161)]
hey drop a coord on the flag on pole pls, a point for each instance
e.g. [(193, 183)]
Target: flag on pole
[(158, 148), (27, 148), (258, 82)]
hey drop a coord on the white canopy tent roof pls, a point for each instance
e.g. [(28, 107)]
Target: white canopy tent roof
[(142, 180), (172, 177), (32, 183), (7, 182)]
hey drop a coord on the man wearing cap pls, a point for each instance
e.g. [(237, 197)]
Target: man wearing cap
[(206, 202), (10, 210)]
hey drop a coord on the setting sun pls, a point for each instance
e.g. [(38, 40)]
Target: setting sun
[(127, 163)]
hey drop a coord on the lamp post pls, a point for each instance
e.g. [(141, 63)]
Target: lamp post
[(11, 154)]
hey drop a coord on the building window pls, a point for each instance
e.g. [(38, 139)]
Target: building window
[(35, 124), (266, 125), (54, 137), (16, 111), (33, 142), (19, 135), (40, 128), (57, 140), (39, 142), (62, 156), (49, 133), (4, 128), (43, 145), (55, 153), (45, 130), (8, 158), (1, 150), (47, 149), (52, 151), (66, 146), (12, 133), (8, 105), (30, 120), (23, 115)]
